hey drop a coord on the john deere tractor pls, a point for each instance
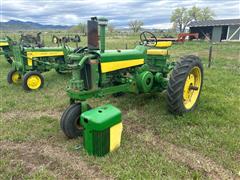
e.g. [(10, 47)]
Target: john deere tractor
[(145, 69), (6, 49), (26, 40), (31, 60)]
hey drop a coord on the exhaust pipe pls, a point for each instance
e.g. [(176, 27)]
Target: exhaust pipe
[(102, 22)]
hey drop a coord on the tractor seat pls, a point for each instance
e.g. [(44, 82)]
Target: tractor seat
[(162, 52), (164, 44)]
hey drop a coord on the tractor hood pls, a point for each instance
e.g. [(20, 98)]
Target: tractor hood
[(112, 60), (121, 55), (47, 49)]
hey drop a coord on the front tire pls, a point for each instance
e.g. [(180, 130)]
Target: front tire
[(185, 85), (33, 80), (14, 77), (70, 121)]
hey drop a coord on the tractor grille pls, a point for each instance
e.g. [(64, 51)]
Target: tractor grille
[(101, 142)]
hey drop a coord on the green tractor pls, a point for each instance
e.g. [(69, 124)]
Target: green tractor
[(26, 40), (6, 49), (97, 72), (30, 62)]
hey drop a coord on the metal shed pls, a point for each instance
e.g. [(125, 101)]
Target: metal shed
[(217, 30)]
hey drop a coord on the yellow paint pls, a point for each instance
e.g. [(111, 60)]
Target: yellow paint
[(44, 54), (115, 136), (162, 52), (190, 96), (164, 44), (4, 44), (16, 77), (29, 61), (34, 82), (116, 65), (31, 55)]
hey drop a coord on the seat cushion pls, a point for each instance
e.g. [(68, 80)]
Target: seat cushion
[(164, 44)]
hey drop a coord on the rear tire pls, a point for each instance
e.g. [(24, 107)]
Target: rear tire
[(70, 121), (185, 85)]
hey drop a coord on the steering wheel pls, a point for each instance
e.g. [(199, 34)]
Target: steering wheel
[(79, 49), (146, 41)]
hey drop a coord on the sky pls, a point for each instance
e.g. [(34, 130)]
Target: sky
[(154, 13)]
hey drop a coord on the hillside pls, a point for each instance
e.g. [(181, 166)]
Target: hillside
[(20, 25)]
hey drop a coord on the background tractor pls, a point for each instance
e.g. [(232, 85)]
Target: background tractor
[(30, 59), (97, 72), (26, 40), (6, 49)]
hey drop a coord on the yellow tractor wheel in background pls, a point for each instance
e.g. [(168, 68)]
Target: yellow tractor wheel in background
[(14, 77), (32, 81), (185, 85)]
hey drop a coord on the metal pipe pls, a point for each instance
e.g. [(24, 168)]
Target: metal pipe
[(102, 23), (84, 59)]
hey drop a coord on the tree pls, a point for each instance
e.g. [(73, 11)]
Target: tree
[(174, 28), (207, 14), (135, 25), (195, 13), (182, 16), (80, 28), (111, 28)]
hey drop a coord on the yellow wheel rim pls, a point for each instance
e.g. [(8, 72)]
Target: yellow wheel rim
[(192, 87), (34, 82), (16, 77)]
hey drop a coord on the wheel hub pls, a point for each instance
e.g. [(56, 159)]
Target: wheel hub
[(34, 82), (16, 77), (192, 88)]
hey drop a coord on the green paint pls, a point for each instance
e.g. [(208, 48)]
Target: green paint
[(102, 23), (41, 64), (6, 51), (97, 123), (120, 55), (88, 81)]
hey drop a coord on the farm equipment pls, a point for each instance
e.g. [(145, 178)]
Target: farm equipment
[(60, 41), (181, 37), (97, 72), (26, 40), (6, 49), (30, 62), (29, 40)]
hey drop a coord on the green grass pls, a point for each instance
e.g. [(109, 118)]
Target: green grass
[(211, 130)]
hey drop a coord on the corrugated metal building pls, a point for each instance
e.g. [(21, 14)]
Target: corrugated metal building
[(217, 30)]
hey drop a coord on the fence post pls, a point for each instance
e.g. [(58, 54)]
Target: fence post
[(126, 46), (210, 56)]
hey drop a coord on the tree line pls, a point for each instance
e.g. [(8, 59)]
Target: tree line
[(180, 18)]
